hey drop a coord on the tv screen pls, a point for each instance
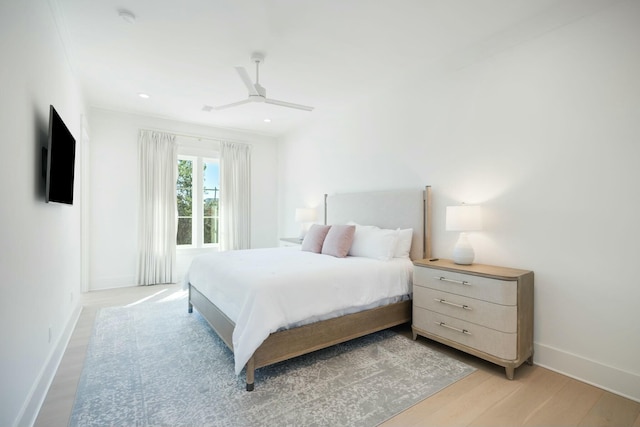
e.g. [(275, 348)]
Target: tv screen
[(61, 155)]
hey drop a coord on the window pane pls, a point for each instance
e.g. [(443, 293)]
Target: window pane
[(210, 230), (184, 191), (184, 231), (185, 187), (211, 197)]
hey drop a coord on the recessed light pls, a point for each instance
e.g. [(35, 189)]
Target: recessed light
[(267, 120), (143, 95)]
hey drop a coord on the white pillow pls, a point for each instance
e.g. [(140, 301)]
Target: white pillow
[(373, 242), (403, 246)]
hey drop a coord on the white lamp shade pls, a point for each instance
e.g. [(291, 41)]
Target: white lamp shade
[(464, 218), (305, 214)]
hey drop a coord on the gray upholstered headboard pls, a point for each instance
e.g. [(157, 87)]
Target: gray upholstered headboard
[(386, 209)]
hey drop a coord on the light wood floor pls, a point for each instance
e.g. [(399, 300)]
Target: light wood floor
[(536, 397)]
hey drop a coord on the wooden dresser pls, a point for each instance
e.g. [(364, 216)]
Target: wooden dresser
[(483, 310)]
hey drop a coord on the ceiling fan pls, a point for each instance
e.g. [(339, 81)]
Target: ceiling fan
[(257, 93)]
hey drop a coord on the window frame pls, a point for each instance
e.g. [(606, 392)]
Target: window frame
[(198, 156), (193, 160), (201, 205)]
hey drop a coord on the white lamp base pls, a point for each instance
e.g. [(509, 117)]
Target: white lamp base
[(463, 252), (304, 227)]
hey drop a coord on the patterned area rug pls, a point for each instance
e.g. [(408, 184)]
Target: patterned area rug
[(153, 364)]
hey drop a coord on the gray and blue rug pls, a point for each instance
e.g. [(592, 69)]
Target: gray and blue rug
[(153, 364)]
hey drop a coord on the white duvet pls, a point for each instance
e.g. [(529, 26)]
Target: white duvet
[(264, 290)]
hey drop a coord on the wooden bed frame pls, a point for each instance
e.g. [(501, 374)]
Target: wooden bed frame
[(289, 343)]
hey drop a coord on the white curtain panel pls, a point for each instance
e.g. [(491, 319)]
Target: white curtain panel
[(235, 196), (158, 166)]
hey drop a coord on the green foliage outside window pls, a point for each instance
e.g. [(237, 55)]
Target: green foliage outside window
[(185, 202)]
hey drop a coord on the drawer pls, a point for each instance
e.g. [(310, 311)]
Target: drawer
[(503, 292), (495, 316), (496, 343)]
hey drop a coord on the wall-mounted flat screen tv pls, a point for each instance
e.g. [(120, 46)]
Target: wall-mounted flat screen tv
[(60, 161)]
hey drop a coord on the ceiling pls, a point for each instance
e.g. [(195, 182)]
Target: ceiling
[(328, 54)]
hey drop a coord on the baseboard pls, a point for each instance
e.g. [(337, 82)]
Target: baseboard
[(35, 399), (612, 379), (102, 283)]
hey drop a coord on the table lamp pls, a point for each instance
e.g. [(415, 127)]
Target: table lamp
[(304, 216), (463, 218)]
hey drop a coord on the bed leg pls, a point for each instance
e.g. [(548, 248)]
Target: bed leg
[(250, 374), (190, 308), (189, 299)]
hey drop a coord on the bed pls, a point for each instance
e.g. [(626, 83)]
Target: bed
[(375, 310)]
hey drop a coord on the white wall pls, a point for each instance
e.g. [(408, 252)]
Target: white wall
[(114, 191), (546, 136), (40, 255)]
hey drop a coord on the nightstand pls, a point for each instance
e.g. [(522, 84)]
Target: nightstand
[(484, 310), (290, 241)]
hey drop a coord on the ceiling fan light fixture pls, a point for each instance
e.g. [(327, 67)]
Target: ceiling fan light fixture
[(258, 93)]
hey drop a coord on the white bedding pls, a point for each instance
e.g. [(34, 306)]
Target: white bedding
[(264, 290)]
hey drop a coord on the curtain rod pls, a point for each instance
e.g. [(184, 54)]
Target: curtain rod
[(199, 137)]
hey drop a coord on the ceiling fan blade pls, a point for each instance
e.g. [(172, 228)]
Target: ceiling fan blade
[(242, 72), (233, 104), (288, 104)]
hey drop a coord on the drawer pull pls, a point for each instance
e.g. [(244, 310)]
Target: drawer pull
[(444, 301), (444, 325), (459, 282)]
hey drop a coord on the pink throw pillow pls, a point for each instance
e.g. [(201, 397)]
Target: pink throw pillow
[(314, 238), (338, 240)]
